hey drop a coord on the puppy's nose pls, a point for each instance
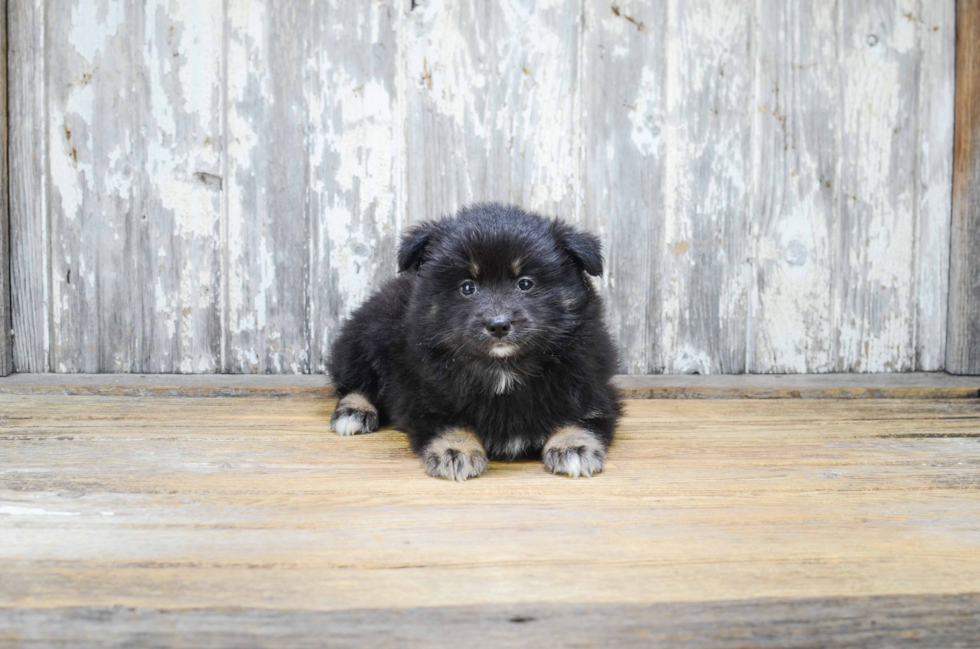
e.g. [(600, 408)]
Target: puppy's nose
[(499, 326)]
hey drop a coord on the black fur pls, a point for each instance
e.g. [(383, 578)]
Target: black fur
[(419, 349)]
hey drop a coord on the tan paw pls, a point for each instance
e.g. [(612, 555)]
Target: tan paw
[(354, 415), (455, 454), (574, 452)]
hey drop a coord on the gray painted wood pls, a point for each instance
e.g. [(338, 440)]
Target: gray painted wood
[(132, 99), (313, 164), (267, 224), (795, 208), (887, 620), (936, 38), (876, 250), (624, 107), (354, 141), (176, 248), (92, 136), (493, 106), (6, 350), (963, 348), (28, 215), (707, 270), (226, 182)]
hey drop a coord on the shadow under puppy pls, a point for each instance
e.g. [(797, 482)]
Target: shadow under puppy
[(489, 344)]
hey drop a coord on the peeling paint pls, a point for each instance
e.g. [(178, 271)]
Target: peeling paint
[(227, 181)]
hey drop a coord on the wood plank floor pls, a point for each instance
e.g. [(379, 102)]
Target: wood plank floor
[(232, 521)]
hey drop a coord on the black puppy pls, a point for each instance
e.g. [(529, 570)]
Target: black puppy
[(490, 343)]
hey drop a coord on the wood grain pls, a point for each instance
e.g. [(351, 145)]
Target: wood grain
[(6, 348), (357, 160), (795, 208), (941, 621), (179, 176), (625, 104), (714, 509), (877, 254), (29, 256), (908, 385), (215, 191), (707, 201), (92, 121), (963, 345), (493, 99), (267, 230), (936, 37)]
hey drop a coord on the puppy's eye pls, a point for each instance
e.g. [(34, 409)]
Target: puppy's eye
[(524, 284), (467, 288)]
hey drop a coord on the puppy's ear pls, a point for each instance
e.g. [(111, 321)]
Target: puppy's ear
[(411, 252), (584, 248)]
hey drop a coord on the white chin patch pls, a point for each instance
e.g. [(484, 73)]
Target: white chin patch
[(503, 351)]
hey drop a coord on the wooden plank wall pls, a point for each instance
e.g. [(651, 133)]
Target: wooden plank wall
[(6, 350), (963, 348), (213, 186)]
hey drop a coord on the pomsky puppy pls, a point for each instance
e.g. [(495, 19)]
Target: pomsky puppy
[(490, 344)]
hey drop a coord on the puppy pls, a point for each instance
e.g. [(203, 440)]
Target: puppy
[(490, 344)]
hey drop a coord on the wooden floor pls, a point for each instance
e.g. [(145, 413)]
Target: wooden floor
[(232, 521)]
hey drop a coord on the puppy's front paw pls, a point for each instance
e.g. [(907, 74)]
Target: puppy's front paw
[(354, 415), (574, 452), (455, 454)]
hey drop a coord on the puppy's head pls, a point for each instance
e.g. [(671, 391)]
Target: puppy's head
[(497, 283)]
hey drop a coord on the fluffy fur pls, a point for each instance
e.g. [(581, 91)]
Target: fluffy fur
[(491, 328)]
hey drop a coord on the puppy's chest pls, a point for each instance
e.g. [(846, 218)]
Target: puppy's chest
[(503, 381), (483, 382), (511, 425), (507, 436)]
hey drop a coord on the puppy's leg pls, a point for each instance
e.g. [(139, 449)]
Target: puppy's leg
[(454, 454), (574, 451), (354, 414)]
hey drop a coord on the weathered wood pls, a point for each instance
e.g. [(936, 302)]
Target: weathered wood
[(267, 222), (874, 295), (492, 96), (910, 385), (187, 514), (6, 348), (941, 621), (824, 296), (178, 160), (936, 37), (355, 144), (963, 344), (134, 162), (215, 190), (624, 104), (707, 187), (92, 140), (314, 165), (29, 272), (312, 386), (795, 210)]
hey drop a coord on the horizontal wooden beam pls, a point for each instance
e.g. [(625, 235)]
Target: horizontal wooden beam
[(918, 385)]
